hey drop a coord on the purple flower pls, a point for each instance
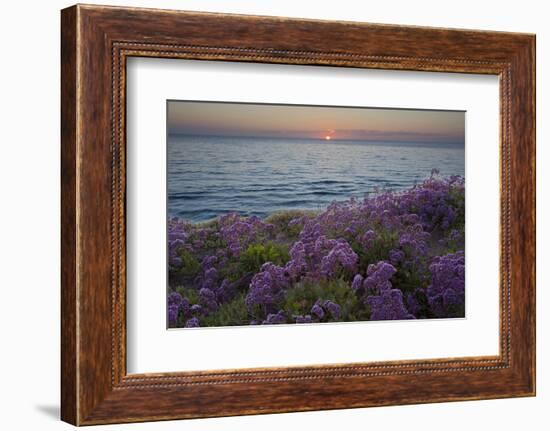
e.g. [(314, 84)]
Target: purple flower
[(225, 292), (175, 299), (414, 241), (396, 256), (378, 277), (333, 308), (388, 306), (208, 262), (239, 232), (317, 311), (177, 305), (434, 201), (210, 278), (267, 288), (208, 300), (341, 256), (192, 323), (178, 238), (446, 291), (357, 283), (417, 303), (367, 238), (297, 266), (173, 311), (304, 319), (196, 309), (453, 239), (276, 318), (315, 256)]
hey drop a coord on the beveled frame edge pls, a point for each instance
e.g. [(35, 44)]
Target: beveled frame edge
[(96, 41)]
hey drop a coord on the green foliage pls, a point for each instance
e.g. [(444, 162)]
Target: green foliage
[(191, 294), (377, 250), (457, 198), (281, 220), (454, 241), (413, 276), (190, 265), (300, 298), (258, 254), (231, 313), (232, 271)]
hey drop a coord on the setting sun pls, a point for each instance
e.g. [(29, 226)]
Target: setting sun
[(327, 138)]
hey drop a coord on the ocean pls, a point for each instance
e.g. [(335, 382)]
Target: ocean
[(210, 176)]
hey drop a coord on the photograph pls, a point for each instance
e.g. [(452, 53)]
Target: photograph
[(293, 214)]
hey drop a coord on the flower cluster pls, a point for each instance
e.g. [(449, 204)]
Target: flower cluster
[(388, 306), (446, 291), (238, 232), (438, 202), (178, 307), (378, 278), (392, 255), (322, 309), (267, 288), (318, 256), (177, 236)]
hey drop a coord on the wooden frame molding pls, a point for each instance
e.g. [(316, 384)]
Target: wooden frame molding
[(95, 43)]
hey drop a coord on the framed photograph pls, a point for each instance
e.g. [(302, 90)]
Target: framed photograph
[(271, 222), (323, 214)]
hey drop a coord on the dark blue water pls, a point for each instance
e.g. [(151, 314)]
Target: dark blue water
[(210, 176)]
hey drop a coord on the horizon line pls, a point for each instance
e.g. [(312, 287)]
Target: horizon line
[(454, 142)]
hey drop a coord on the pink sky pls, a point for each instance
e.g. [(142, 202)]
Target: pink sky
[(315, 122)]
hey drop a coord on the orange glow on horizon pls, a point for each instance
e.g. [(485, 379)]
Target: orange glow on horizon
[(327, 138)]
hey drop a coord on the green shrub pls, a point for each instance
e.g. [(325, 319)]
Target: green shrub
[(409, 279), (300, 298), (191, 294), (190, 265), (457, 198), (258, 254), (231, 313), (376, 251), (281, 220)]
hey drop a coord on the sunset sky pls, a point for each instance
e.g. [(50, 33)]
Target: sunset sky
[(315, 122)]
